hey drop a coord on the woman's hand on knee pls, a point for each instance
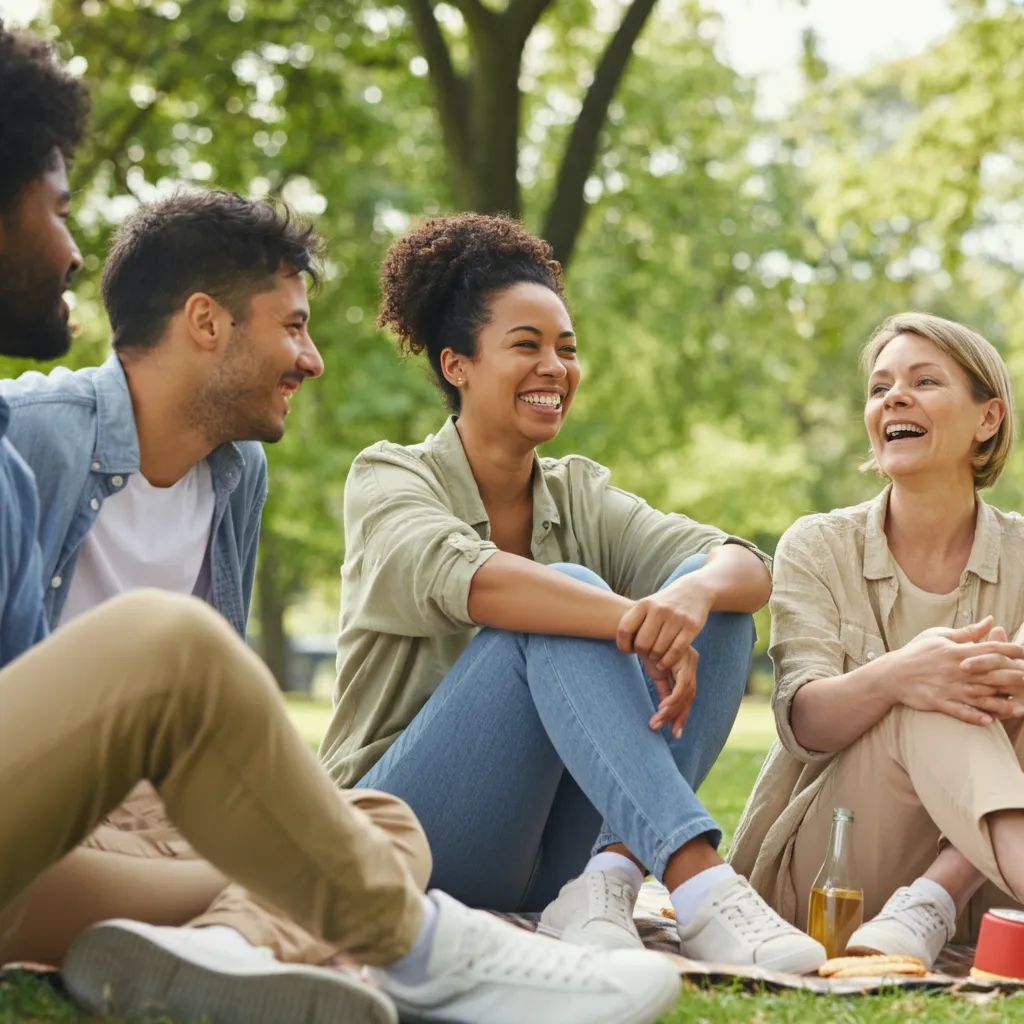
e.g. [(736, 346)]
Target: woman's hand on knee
[(661, 628), (677, 688), (959, 673)]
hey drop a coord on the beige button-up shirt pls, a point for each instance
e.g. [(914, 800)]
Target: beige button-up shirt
[(416, 531), (834, 589)]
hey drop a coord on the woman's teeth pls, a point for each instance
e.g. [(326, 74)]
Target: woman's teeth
[(554, 401)]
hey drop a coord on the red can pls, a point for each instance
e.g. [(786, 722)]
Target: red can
[(1000, 952)]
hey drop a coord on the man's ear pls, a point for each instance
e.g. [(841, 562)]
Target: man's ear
[(208, 322)]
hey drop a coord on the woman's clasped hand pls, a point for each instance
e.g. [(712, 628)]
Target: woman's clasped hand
[(660, 629), (972, 673)]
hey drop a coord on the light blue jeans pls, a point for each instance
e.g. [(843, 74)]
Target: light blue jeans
[(535, 751)]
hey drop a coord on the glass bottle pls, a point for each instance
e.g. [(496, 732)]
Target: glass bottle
[(837, 902)]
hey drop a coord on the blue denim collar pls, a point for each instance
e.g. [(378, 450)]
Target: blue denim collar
[(117, 441), (5, 416)]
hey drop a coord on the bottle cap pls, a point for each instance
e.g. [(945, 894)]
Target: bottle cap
[(842, 814)]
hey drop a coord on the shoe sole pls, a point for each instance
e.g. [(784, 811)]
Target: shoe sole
[(793, 963), (659, 1005), (867, 949), (661, 998), (595, 940), (114, 969)]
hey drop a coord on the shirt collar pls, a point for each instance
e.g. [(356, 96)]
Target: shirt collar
[(5, 416), (983, 560), (117, 440), (446, 448)]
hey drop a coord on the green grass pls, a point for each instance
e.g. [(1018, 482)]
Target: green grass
[(26, 1001)]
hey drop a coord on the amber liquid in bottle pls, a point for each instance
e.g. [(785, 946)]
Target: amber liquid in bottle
[(836, 904)]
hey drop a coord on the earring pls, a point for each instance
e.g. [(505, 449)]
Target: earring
[(460, 382)]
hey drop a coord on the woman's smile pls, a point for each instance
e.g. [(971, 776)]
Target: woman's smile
[(543, 401)]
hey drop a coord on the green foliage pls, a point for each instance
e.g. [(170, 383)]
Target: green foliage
[(729, 269)]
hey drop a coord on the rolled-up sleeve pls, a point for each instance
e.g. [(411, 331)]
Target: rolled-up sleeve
[(643, 546), (410, 561), (805, 643)]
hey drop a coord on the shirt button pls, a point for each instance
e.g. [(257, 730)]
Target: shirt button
[(94, 504), (117, 480), (56, 582), (95, 467), (871, 655), (546, 525)]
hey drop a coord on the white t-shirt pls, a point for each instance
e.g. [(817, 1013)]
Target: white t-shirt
[(146, 536)]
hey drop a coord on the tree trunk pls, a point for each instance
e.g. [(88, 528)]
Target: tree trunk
[(273, 639), (494, 103)]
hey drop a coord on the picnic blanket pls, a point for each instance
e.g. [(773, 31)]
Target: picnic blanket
[(658, 933)]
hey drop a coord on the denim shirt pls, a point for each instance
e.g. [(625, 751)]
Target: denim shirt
[(76, 430), (22, 618)]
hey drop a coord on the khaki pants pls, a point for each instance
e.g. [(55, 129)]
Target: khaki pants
[(152, 686), (915, 778)]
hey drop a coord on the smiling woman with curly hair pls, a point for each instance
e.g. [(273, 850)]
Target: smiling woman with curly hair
[(519, 645)]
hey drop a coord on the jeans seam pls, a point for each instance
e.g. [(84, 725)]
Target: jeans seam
[(596, 746)]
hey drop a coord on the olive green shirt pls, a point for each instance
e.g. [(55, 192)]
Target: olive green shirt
[(416, 532), (834, 592)]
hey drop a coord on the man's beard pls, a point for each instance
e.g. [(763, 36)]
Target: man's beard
[(233, 403), (32, 323)]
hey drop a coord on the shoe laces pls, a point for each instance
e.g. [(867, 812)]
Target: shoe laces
[(916, 909), (499, 950), (749, 914), (609, 898)]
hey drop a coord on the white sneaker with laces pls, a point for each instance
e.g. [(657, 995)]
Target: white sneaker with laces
[(130, 969), (735, 926), (482, 970), (910, 924), (595, 909)]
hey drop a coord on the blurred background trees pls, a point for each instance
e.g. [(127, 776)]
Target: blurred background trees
[(724, 265)]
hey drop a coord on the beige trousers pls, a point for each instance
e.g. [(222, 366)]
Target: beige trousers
[(156, 687), (915, 778)]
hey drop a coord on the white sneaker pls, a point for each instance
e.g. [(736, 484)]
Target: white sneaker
[(130, 969), (909, 924), (482, 970), (735, 926), (595, 909)]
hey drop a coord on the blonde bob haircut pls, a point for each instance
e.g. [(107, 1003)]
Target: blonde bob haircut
[(985, 370)]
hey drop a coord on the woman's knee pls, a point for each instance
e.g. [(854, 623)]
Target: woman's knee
[(581, 573)]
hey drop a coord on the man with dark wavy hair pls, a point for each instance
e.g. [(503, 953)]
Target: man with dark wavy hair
[(157, 686)]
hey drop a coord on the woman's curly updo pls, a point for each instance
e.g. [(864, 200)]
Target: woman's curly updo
[(438, 280)]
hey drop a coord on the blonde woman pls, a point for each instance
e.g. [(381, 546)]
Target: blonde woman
[(896, 691)]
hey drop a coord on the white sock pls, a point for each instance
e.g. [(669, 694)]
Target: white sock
[(939, 896), (688, 898), (412, 968), (609, 861)]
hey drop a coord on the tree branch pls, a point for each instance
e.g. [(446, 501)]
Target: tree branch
[(521, 16), (478, 17), (568, 207), (449, 87)]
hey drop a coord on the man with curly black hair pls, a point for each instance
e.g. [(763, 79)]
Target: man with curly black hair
[(42, 119), (157, 686)]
